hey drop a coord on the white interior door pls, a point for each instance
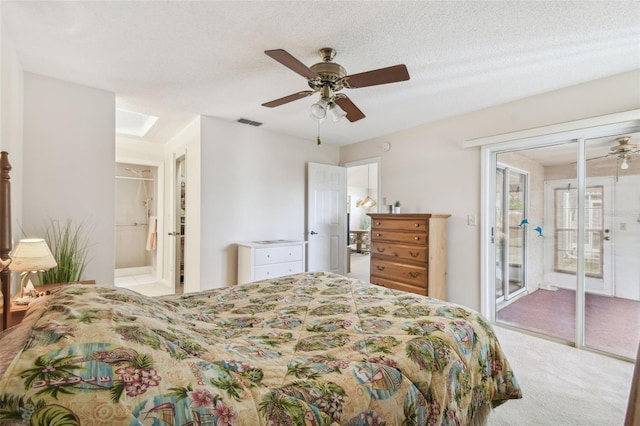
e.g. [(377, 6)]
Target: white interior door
[(326, 218)]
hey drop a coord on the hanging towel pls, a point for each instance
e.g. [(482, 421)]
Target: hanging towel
[(152, 236)]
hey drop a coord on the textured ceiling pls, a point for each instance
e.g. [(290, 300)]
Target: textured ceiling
[(175, 59)]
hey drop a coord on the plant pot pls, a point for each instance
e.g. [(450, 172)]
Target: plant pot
[(396, 209)]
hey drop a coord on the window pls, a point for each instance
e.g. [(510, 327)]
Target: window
[(566, 213)]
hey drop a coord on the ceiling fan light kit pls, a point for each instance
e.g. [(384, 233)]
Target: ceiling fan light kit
[(623, 151), (329, 78), (625, 163)]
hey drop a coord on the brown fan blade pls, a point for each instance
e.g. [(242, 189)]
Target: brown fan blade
[(288, 99), (353, 112), (380, 76), (286, 59)]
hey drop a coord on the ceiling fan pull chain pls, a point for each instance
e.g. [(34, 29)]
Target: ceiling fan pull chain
[(319, 142)]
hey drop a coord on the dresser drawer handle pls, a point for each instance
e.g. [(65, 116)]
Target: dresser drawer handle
[(380, 249), (417, 238), (378, 235), (414, 274), (417, 225), (380, 268), (377, 223), (412, 254)]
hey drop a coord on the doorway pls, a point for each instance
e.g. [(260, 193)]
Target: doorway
[(138, 207), (180, 225), (363, 196)]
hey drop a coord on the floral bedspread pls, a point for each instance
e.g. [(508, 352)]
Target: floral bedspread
[(308, 349)]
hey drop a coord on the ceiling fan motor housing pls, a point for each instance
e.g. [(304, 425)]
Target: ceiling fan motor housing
[(329, 73)]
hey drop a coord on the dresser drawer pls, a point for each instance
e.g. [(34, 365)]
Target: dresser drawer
[(417, 224), (387, 283), (397, 271), (269, 255), (277, 270), (400, 251), (399, 236)]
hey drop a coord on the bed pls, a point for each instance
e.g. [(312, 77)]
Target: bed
[(306, 349)]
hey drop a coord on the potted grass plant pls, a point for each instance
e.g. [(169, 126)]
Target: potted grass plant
[(69, 245)]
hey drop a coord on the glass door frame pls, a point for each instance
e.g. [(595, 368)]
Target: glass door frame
[(571, 132), (506, 293)]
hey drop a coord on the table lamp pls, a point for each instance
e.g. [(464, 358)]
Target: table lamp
[(30, 255)]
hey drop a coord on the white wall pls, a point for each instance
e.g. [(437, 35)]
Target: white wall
[(11, 121), (253, 188), (626, 235), (69, 164), (428, 169)]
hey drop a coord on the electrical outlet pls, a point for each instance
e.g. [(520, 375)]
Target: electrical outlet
[(471, 220)]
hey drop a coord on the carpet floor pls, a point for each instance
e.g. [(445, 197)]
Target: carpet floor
[(611, 324), (562, 385)]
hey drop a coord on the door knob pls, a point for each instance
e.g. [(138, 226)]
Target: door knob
[(314, 233), (173, 234)]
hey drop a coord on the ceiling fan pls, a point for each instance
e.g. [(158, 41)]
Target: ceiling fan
[(624, 150), (329, 78)]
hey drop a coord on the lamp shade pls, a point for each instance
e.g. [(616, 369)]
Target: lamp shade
[(319, 110), (31, 254), (336, 112)]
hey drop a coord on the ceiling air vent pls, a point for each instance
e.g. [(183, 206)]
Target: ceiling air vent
[(249, 122)]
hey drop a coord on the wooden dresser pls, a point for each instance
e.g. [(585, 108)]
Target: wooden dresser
[(409, 253)]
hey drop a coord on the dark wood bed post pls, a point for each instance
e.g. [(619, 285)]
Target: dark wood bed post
[(5, 234)]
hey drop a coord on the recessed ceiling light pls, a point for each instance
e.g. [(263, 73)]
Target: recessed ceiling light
[(133, 123)]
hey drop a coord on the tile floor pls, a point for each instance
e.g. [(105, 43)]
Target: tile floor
[(144, 284)]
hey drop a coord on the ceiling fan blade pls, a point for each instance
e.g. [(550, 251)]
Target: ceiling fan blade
[(595, 158), (286, 59), (380, 76), (353, 112), (287, 99)]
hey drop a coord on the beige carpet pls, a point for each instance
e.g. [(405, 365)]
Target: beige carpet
[(561, 385)]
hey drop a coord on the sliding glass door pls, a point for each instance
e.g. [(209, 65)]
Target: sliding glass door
[(612, 245), (566, 241)]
